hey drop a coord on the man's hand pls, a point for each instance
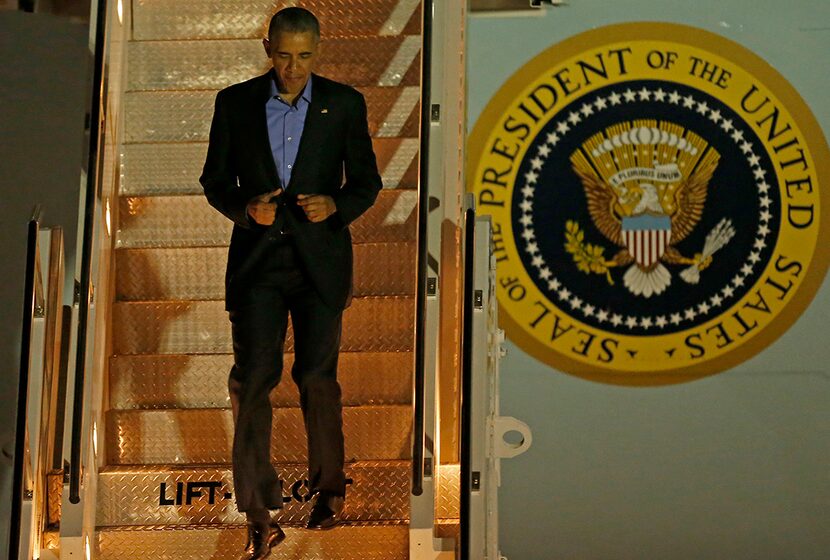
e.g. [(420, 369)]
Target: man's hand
[(317, 207), (262, 210)]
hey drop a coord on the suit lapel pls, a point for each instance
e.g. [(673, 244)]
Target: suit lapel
[(313, 129), (262, 144)]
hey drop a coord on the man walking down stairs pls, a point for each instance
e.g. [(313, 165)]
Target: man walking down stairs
[(290, 253)]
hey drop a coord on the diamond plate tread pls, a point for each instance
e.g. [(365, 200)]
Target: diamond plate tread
[(54, 497), (185, 65), (199, 436), (198, 273), (223, 19), (447, 529), (379, 491), (162, 169), (200, 381), (185, 116), (389, 105), (174, 168), (345, 542), (370, 324), (52, 541), (448, 493), (156, 221)]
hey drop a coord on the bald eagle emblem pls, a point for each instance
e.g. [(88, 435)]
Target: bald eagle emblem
[(645, 184)]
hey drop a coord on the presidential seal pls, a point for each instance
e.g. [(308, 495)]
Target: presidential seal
[(656, 195)]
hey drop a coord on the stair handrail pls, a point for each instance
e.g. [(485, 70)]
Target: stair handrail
[(468, 303), (31, 295), (419, 386), (84, 288)]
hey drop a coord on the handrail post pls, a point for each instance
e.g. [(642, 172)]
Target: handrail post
[(419, 397), (482, 427), (467, 383), (86, 255), (23, 387)]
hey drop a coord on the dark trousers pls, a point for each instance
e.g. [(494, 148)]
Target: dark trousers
[(258, 326)]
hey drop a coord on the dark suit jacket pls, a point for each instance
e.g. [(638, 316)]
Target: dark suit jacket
[(335, 158)]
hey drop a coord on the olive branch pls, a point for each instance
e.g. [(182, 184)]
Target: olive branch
[(588, 257)]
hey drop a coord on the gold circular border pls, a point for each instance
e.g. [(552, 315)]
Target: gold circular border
[(786, 93)]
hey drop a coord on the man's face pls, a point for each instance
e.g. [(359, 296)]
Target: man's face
[(293, 55)]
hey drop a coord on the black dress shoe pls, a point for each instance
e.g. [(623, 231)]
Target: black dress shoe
[(275, 537), (261, 539), (326, 511)]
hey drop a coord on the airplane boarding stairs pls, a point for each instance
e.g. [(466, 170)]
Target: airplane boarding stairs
[(151, 430), (166, 489)]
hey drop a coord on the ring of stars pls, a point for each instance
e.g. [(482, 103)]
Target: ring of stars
[(603, 315)]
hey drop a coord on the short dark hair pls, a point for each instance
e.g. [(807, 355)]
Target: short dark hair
[(294, 20)]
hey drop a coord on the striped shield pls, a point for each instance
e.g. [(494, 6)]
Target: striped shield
[(646, 237)]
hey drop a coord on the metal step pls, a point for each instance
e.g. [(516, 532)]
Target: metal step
[(181, 436), (447, 500), (157, 221), (223, 19), (185, 116), (174, 168), (198, 273), (218, 542), (370, 324), (188, 65), (200, 381), (447, 528), (379, 491)]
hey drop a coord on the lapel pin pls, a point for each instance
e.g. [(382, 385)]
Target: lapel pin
[(324, 111)]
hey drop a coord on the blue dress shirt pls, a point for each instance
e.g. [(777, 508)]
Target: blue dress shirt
[(285, 128)]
